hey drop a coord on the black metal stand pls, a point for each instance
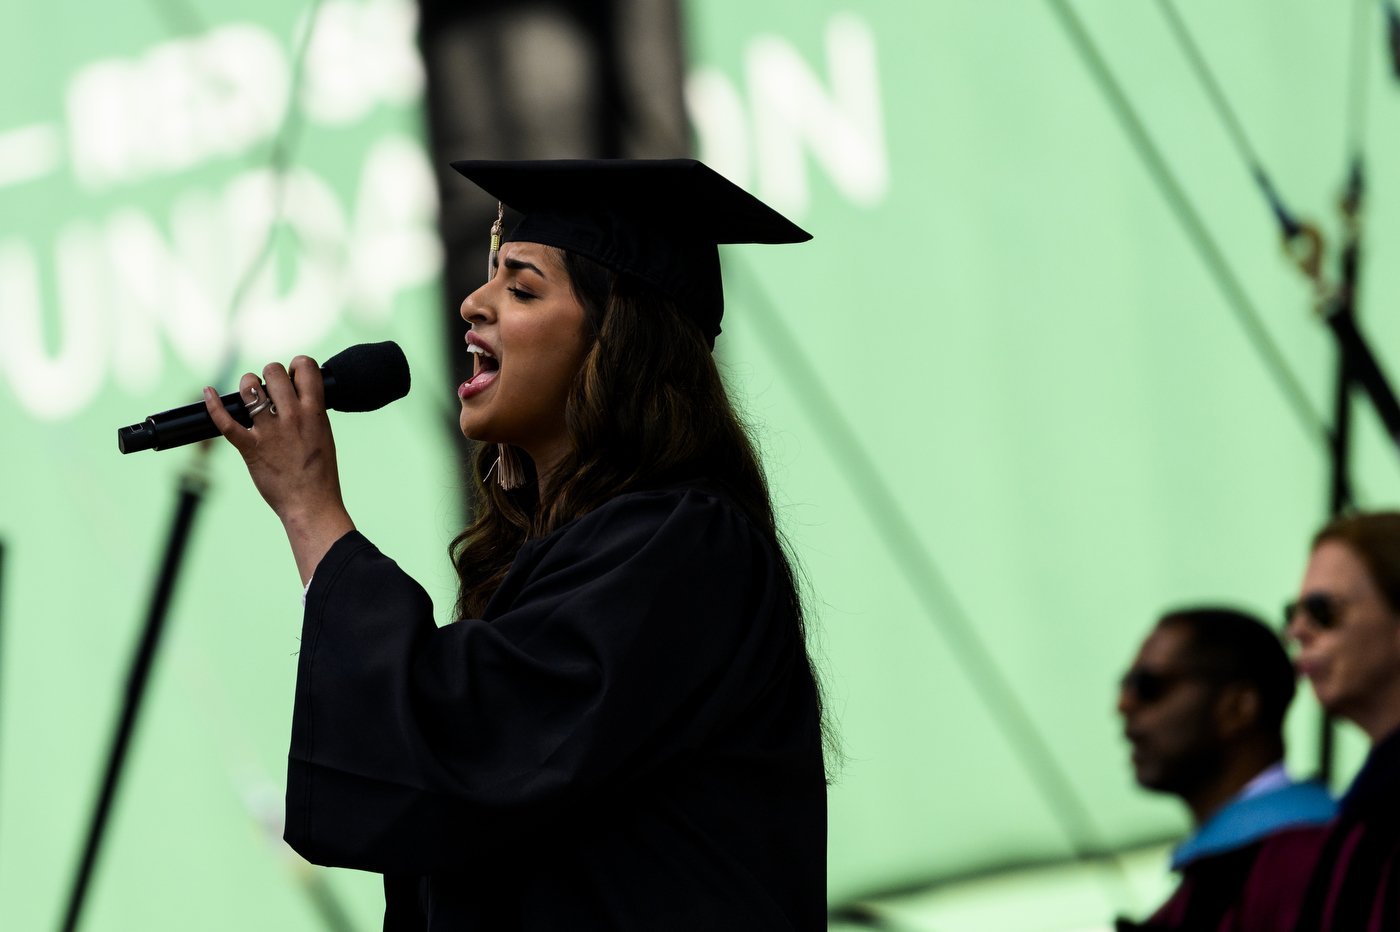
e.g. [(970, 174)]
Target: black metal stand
[(1340, 500), (1357, 367), (192, 489), (326, 903)]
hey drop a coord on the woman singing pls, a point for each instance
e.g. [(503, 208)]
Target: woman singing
[(623, 730)]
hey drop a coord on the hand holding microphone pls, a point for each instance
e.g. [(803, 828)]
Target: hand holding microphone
[(281, 430), (290, 456), (364, 377)]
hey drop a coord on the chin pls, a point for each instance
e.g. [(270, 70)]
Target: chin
[(1149, 778), (472, 427), (1326, 696)]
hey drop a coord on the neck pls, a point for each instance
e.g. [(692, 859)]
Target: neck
[(547, 457), (1381, 715), (1242, 766)]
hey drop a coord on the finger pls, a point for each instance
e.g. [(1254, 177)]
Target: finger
[(279, 386), (250, 388), (233, 431), (306, 378)]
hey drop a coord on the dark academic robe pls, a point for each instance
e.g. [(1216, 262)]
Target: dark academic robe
[(628, 739), (1246, 869), (1256, 888), (1356, 884)]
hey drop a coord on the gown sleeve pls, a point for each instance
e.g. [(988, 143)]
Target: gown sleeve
[(612, 648)]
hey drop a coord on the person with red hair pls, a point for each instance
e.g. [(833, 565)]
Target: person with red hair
[(1346, 622)]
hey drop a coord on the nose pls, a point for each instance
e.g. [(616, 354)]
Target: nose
[(1298, 630), (1126, 702), (478, 307)]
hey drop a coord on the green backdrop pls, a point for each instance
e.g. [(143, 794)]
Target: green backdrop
[(1007, 411)]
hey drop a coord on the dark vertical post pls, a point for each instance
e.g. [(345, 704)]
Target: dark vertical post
[(192, 489), (326, 903), (1342, 308), (1339, 501)]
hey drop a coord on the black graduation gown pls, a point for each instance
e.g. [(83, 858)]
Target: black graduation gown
[(627, 739), (1209, 888), (1356, 884)]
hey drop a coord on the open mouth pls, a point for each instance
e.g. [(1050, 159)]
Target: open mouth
[(482, 360), (485, 367)]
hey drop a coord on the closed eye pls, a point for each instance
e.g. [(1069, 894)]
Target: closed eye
[(522, 295)]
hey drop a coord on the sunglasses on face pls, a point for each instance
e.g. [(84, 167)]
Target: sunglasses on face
[(1321, 609), (1148, 686)]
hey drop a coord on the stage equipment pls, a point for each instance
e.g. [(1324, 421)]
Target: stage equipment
[(193, 484), (1335, 302), (364, 377)]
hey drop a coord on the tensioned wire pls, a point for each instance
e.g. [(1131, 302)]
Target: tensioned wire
[(1233, 127), (1238, 300), (932, 589), (1357, 83), (180, 18), (916, 565), (1355, 105)]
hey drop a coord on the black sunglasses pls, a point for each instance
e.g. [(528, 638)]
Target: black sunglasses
[(1321, 609), (1149, 686)]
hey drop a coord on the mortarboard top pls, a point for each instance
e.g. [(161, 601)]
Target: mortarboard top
[(658, 219)]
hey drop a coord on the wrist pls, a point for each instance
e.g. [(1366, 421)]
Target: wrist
[(312, 532), (305, 520)]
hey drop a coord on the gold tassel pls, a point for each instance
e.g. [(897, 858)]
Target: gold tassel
[(495, 241), (509, 471)]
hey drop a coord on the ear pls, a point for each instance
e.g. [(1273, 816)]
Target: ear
[(1237, 709)]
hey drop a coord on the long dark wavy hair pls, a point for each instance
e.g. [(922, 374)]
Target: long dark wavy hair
[(648, 408)]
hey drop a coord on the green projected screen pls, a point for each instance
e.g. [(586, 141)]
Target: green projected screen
[(1008, 411)]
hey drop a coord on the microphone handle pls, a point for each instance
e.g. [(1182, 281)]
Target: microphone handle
[(192, 423)]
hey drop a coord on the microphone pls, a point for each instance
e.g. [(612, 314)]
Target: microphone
[(364, 377)]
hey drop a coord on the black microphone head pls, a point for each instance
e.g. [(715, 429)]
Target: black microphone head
[(367, 376)]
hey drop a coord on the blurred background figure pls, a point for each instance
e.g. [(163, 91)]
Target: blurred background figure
[(1347, 625), (1203, 706)]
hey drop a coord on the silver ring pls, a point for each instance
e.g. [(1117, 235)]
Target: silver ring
[(260, 406)]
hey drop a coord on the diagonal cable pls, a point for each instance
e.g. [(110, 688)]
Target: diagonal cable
[(1357, 79), (279, 160), (1240, 304), (911, 557), (1233, 127)]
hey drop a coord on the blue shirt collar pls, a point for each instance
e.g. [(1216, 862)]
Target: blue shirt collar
[(1250, 817)]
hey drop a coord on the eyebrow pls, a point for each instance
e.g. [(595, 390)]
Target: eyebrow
[(518, 264)]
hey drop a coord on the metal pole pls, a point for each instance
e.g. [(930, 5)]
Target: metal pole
[(1352, 355), (192, 488), (1340, 500)]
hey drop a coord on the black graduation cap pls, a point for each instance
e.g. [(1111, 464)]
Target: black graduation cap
[(658, 219)]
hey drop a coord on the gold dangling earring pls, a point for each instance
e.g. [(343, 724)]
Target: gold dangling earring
[(509, 471)]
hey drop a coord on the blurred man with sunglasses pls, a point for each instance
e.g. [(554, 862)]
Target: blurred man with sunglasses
[(1347, 626), (1203, 707)]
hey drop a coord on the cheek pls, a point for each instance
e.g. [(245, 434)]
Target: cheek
[(1363, 656), (1183, 725), (544, 355), (540, 369)]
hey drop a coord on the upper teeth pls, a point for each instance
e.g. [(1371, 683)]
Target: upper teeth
[(474, 348)]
